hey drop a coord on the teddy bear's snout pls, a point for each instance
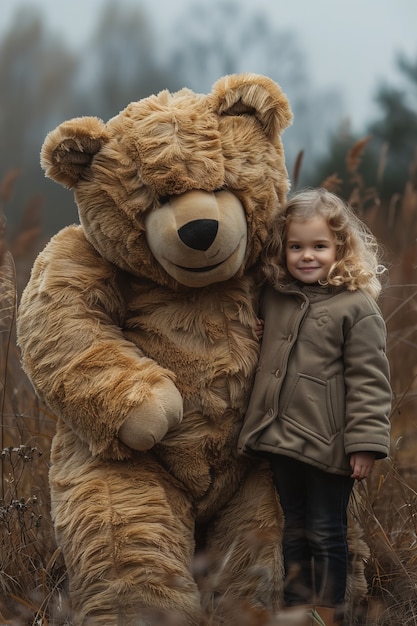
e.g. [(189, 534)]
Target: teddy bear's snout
[(199, 234)]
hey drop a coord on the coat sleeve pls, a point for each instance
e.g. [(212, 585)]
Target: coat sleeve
[(368, 390)]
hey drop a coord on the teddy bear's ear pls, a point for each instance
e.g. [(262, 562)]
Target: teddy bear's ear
[(69, 149), (256, 95)]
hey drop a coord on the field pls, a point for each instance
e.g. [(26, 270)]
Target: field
[(32, 572)]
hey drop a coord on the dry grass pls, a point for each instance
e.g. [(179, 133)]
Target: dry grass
[(389, 515), (32, 572), (31, 567)]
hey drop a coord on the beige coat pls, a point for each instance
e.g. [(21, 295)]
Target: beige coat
[(322, 387)]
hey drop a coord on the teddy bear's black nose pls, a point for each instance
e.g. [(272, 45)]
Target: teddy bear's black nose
[(199, 234)]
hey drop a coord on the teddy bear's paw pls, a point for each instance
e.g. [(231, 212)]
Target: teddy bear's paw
[(148, 423)]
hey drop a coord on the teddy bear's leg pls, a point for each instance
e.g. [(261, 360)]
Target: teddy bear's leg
[(244, 546), (127, 535)]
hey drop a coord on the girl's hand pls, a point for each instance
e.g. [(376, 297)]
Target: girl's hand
[(259, 328), (361, 464)]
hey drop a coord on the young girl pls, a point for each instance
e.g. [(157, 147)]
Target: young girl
[(321, 400)]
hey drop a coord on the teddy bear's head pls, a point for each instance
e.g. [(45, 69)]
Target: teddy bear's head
[(179, 187)]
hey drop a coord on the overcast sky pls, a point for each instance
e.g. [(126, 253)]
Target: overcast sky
[(348, 44)]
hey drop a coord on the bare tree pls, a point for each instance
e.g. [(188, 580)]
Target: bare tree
[(120, 64), (36, 74)]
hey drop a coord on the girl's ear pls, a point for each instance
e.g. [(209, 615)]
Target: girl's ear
[(68, 150), (257, 95)]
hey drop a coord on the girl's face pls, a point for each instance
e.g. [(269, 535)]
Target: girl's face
[(310, 250)]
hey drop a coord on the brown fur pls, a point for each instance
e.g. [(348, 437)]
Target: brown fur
[(143, 345)]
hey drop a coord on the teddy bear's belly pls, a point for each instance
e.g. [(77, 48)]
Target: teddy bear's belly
[(203, 457), (213, 356), (202, 451), (214, 374), (207, 342)]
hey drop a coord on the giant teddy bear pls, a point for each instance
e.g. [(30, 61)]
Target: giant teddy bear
[(137, 330)]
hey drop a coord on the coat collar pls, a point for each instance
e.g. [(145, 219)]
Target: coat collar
[(315, 290)]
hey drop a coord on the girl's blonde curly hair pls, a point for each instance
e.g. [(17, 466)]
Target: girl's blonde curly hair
[(357, 263)]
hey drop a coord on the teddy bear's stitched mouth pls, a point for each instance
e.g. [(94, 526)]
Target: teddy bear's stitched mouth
[(207, 268)]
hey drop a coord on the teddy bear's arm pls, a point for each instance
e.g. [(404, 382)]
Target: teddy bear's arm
[(80, 363)]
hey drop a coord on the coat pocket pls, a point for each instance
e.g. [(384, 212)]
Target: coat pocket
[(314, 407)]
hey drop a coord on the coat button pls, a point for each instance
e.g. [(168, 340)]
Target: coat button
[(271, 412), (277, 373), (289, 338)]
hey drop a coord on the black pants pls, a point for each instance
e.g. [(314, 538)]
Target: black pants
[(315, 546)]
